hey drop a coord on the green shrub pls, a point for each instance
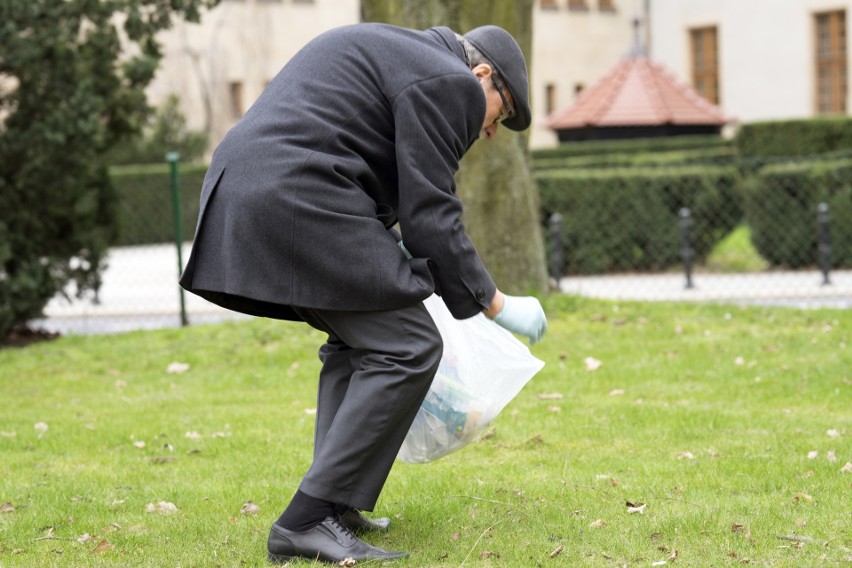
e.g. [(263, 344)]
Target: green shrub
[(145, 202), (781, 203), (627, 219), (795, 137), (632, 146), (710, 155)]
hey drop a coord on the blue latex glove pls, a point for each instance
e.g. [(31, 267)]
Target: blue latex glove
[(405, 250), (524, 316)]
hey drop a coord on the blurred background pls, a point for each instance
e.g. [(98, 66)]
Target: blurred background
[(690, 150)]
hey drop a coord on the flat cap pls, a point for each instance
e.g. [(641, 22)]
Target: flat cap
[(501, 49)]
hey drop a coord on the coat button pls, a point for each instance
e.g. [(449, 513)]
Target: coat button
[(480, 295)]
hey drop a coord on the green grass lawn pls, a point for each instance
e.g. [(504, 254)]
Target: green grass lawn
[(735, 253), (731, 426)]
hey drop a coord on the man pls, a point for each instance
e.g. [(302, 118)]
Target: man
[(361, 130)]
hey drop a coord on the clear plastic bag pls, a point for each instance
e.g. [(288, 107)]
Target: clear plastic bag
[(483, 368)]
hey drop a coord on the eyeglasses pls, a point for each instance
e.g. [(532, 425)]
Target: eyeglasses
[(509, 111)]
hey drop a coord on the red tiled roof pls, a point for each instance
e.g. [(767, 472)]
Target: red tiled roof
[(637, 92)]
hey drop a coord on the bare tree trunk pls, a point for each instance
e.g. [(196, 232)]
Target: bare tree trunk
[(502, 213)]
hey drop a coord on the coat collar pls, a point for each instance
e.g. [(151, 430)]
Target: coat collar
[(447, 37)]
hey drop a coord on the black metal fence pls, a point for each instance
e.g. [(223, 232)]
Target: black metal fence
[(781, 219)]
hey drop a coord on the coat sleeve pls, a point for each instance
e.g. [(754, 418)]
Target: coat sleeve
[(436, 122)]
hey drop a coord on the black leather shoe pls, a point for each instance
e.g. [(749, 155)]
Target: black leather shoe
[(358, 523), (329, 541)]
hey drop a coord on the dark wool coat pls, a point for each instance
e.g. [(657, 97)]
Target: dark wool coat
[(364, 127)]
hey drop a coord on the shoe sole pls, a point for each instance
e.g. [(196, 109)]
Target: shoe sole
[(283, 559)]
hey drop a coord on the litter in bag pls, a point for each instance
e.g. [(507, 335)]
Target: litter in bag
[(483, 368)]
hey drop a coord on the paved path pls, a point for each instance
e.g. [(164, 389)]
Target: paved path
[(140, 291)]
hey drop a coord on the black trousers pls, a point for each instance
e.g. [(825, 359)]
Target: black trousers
[(376, 370)]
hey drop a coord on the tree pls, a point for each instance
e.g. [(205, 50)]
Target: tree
[(502, 213), (72, 80), (166, 131)]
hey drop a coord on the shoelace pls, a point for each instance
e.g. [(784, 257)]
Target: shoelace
[(342, 526)]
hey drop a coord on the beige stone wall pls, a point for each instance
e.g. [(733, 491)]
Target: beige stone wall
[(573, 48), (238, 46), (765, 51), (241, 44)]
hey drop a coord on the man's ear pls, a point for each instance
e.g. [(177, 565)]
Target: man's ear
[(482, 71)]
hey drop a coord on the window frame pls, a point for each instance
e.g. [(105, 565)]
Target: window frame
[(831, 62), (704, 59)]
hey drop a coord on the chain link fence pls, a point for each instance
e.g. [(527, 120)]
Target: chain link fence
[(667, 225), (713, 228)]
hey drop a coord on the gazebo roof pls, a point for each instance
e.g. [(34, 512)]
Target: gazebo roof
[(637, 92)]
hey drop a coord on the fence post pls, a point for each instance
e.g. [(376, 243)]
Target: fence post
[(557, 248), (686, 249), (172, 158), (824, 241)]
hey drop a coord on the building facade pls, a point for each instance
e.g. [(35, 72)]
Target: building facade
[(574, 43), (219, 66), (758, 59)]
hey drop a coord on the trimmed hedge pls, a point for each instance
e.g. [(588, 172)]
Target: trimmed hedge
[(627, 219), (145, 202), (781, 203), (794, 137), (632, 146), (712, 155)]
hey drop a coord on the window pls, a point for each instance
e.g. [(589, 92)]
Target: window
[(578, 5), (831, 82), (549, 98), (705, 69), (549, 4), (235, 90), (606, 5)]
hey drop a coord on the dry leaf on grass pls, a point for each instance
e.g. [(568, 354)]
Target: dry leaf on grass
[(686, 456), (86, 537), (636, 507), (597, 524), (7, 507), (103, 546), (802, 497), (833, 433), (592, 364), (163, 508), (831, 457), (846, 468), (616, 392), (249, 508), (40, 427), (812, 455), (550, 396), (556, 551), (177, 367), (347, 562)]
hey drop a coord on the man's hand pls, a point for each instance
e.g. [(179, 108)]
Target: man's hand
[(522, 315)]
